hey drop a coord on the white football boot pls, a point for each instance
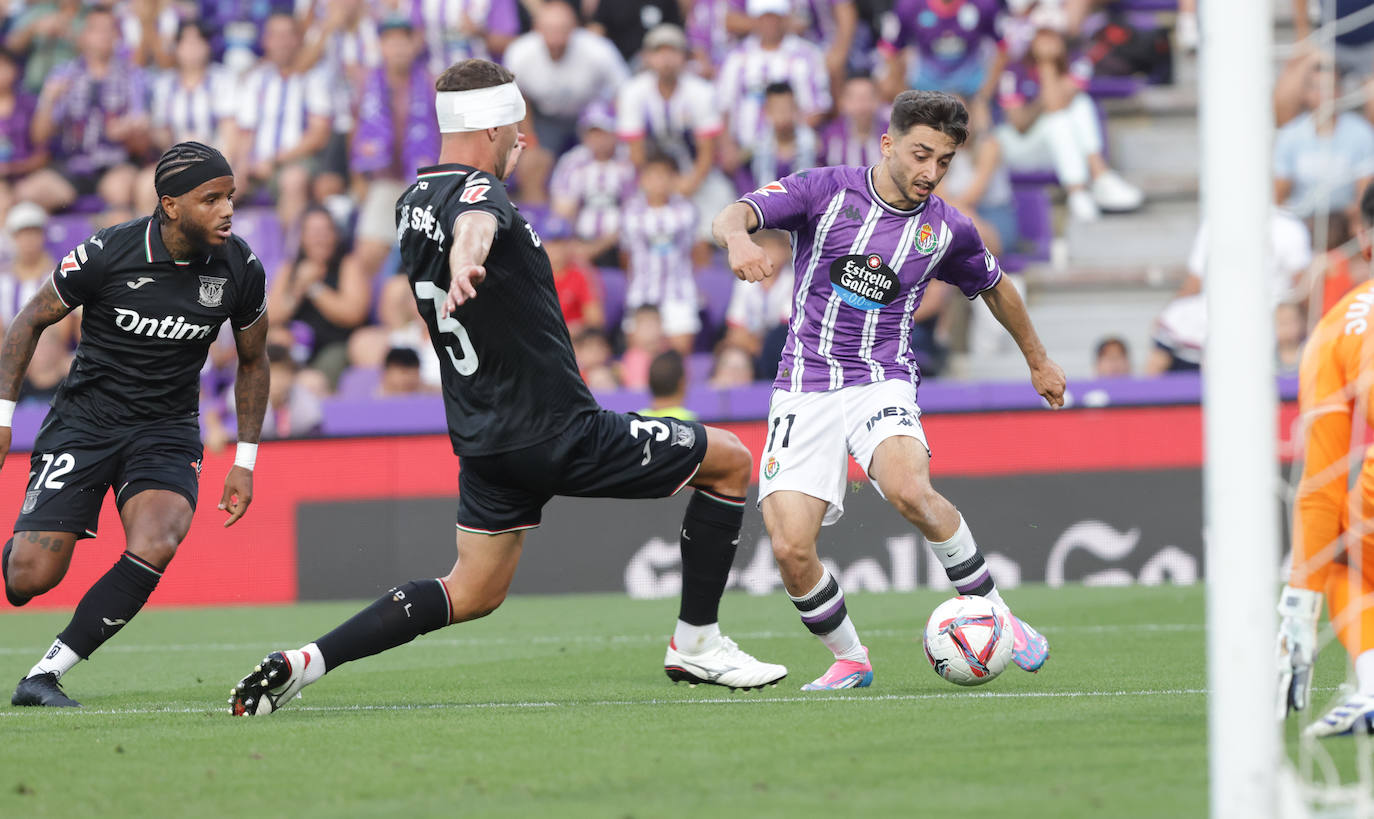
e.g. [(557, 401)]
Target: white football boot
[(274, 682), (721, 664), (1354, 716)]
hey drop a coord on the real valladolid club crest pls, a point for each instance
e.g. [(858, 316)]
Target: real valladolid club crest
[(925, 239), (771, 468), (211, 291)]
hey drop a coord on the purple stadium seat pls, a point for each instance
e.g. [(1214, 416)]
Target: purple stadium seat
[(65, 231), (613, 285), (263, 233), (1114, 87), (358, 382), (90, 203), (1033, 220), (699, 368)]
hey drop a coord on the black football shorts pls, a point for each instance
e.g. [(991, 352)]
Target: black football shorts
[(72, 467), (602, 454)]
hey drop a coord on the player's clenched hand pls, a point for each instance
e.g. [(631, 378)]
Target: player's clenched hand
[(463, 285), (1296, 650), (749, 261), (1048, 379), (238, 493)]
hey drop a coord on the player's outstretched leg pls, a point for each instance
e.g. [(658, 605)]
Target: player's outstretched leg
[(698, 652), (794, 520), (475, 588), (1347, 593), (901, 467)]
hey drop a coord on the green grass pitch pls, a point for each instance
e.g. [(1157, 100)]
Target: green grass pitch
[(559, 706)]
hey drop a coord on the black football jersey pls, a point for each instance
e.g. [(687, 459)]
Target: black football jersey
[(509, 376), (148, 322)]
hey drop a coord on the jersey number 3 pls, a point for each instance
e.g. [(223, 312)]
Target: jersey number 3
[(466, 364)]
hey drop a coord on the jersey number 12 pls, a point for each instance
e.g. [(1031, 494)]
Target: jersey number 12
[(467, 363)]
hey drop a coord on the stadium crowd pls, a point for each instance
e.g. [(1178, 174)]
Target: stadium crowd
[(646, 117)]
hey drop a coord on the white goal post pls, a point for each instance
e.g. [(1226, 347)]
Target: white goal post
[(1241, 483)]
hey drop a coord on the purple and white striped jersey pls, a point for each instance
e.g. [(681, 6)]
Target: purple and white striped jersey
[(862, 267), (751, 68), (659, 241), (598, 187)]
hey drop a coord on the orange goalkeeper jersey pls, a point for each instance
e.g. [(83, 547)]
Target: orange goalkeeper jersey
[(1335, 409)]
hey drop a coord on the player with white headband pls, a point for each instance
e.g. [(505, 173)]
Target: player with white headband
[(521, 419)]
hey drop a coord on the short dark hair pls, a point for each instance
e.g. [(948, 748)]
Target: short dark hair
[(1367, 206), (1112, 341), (777, 89), (471, 74), (402, 357), (933, 109), (657, 157), (191, 25), (666, 374)]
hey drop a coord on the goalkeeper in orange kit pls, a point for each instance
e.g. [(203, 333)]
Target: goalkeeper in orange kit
[(1333, 513)]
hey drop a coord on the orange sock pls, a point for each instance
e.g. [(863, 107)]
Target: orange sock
[(1352, 608)]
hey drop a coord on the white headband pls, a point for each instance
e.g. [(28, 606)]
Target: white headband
[(479, 109)]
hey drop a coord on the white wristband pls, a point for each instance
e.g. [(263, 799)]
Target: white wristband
[(6, 413), (245, 455)]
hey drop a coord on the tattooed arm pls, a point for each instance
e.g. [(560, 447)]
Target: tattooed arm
[(250, 397), (44, 309)]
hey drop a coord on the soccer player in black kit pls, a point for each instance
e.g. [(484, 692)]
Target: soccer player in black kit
[(154, 293), (520, 418)]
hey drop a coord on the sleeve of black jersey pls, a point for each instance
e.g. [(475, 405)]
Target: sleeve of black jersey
[(251, 302), (77, 278), (482, 192)]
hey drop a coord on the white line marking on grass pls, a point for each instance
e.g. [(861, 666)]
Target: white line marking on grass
[(596, 639), (736, 698)]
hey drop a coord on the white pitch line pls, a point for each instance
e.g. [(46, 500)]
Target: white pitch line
[(592, 639), (736, 699)]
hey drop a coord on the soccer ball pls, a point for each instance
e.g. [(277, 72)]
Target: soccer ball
[(968, 640)]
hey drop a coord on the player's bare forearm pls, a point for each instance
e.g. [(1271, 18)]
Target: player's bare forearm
[(44, 309), (473, 233), (733, 223), (1007, 307), (250, 387)]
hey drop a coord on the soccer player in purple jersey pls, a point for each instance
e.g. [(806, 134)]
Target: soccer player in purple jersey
[(867, 241)]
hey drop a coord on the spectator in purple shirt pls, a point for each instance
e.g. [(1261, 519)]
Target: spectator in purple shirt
[(237, 26), (19, 157), (94, 113), (958, 45), (855, 136), (396, 134)]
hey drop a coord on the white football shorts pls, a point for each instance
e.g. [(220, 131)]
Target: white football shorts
[(812, 434)]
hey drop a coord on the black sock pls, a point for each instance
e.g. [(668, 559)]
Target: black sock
[(710, 535), (396, 618), (109, 604)]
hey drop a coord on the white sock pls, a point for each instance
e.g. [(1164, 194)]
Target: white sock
[(59, 660), (824, 613), (314, 666), (964, 566), (690, 639), (1364, 672)]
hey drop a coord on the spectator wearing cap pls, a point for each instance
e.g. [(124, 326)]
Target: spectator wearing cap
[(456, 30), (284, 120), (830, 23), (396, 134), (562, 68), (43, 34), (768, 55), (855, 135), (669, 110), (668, 387), (27, 262), (93, 112), (957, 43), (657, 231), (787, 145), (591, 183), (19, 156), (579, 295), (625, 22)]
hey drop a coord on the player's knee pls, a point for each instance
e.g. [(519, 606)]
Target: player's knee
[(158, 549), (477, 607), (792, 549), (917, 501), (30, 578), (734, 460)]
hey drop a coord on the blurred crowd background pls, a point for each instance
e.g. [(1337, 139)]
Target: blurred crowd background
[(646, 117)]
